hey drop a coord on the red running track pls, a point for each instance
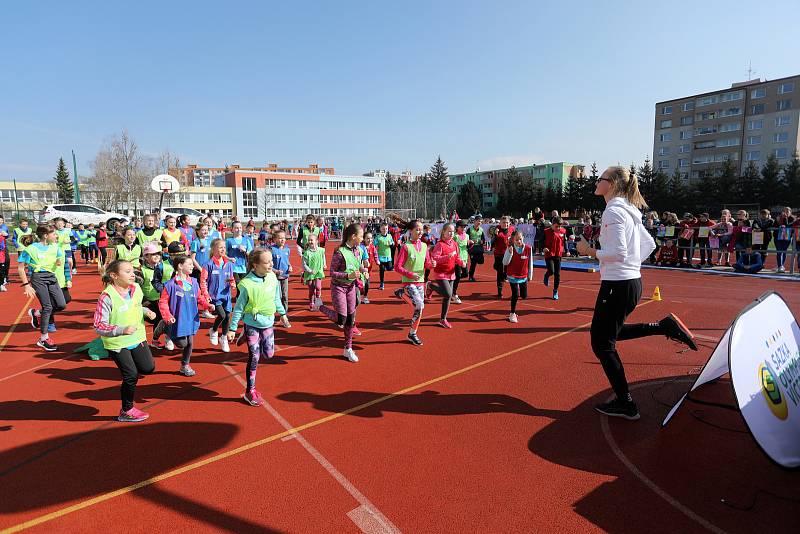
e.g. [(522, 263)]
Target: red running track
[(488, 427)]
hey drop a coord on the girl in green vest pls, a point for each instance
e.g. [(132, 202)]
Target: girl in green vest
[(43, 258), (347, 274), (118, 319), (384, 243), (259, 298), (83, 242), (64, 235), (129, 251), (411, 261), (155, 274), (314, 266)]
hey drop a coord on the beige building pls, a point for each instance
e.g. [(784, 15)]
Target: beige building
[(747, 122), (195, 175)]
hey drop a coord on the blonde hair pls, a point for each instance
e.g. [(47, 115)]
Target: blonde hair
[(626, 185)]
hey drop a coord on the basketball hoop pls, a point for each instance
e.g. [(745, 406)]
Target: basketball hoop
[(164, 184)]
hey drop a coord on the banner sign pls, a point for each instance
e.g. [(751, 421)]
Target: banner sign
[(760, 351)]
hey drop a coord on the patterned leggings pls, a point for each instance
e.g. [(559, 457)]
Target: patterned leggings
[(259, 341), (414, 294)]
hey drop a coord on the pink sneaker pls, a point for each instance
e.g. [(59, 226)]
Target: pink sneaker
[(134, 415), (253, 397), (444, 324), (356, 331)]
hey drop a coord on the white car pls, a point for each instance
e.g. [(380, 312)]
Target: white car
[(80, 213), (194, 215)]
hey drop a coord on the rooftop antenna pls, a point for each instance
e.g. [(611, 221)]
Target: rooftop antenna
[(750, 71)]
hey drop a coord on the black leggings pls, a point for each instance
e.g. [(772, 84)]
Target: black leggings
[(615, 301), (500, 269), (554, 270), (384, 266), (518, 290), (461, 272), (473, 264), (103, 255), (186, 343), (132, 363), (221, 320), (50, 296), (445, 289), (4, 268)]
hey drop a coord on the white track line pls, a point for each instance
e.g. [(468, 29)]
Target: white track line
[(366, 517)]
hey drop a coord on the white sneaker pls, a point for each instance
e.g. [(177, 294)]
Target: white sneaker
[(74, 271), (169, 345), (456, 299), (350, 355), (780, 270), (208, 315), (365, 300), (3, 288), (223, 344), (213, 335), (285, 322), (512, 318), (317, 302)]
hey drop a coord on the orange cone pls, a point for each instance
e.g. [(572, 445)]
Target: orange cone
[(656, 295)]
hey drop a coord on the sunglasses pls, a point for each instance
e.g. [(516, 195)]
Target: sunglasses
[(605, 180)]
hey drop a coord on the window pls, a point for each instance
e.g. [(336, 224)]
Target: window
[(757, 109), (705, 144), (780, 137), (707, 101), (699, 160), (705, 130), (663, 151), (733, 141), (754, 155), (730, 127), (249, 199), (666, 110), (665, 137), (783, 120), (730, 112), (248, 184), (684, 149), (666, 123), (754, 140), (783, 105), (707, 115), (758, 93), (688, 106), (781, 153), (683, 163), (755, 124), (735, 95), (686, 121), (686, 134), (663, 164), (784, 88)]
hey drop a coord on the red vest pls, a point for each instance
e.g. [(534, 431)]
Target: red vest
[(502, 241), (518, 268)]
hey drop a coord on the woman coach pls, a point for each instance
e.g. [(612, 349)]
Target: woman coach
[(624, 244)]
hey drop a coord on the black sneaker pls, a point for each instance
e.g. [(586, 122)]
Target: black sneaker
[(47, 345), (675, 329), (472, 280), (618, 408), (34, 318), (399, 293), (414, 338)]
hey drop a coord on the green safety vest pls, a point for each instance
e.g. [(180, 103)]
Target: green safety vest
[(142, 238), (304, 241), (132, 255), (61, 277), (415, 261), (147, 285), (19, 232), (83, 237), (315, 259), (384, 245), (475, 235), (44, 260), (260, 295), (463, 253), (352, 263), (64, 238), (125, 313)]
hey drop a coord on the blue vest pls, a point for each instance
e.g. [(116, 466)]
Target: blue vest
[(280, 260), (202, 250), (240, 258), (219, 289), (183, 306)]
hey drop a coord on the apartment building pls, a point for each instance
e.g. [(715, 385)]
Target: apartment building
[(747, 122), (267, 195), (554, 175), (196, 175)]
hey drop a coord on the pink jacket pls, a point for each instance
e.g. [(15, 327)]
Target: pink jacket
[(402, 256), (445, 263)]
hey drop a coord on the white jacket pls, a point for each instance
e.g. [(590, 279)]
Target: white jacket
[(624, 241)]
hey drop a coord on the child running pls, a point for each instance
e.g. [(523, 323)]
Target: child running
[(258, 299), (518, 262), (369, 257), (150, 232), (411, 261), (130, 251), (314, 266), (446, 257), (281, 265), (384, 243), (346, 271), (119, 322), (179, 304), (462, 240), (237, 250), (554, 246), (216, 284), (155, 274), (43, 258)]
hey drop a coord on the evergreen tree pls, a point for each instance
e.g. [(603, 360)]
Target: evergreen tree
[(791, 181), (66, 192), (572, 194), (588, 199), (512, 196), (645, 177), (678, 193), (771, 186), (438, 180), (748, 185), (469, 199), (660, 194), (726, 184)]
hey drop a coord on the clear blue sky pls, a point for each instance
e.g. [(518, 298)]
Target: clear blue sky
[(364, 85)]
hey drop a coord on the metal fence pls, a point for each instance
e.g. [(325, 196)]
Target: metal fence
[(428, 206)]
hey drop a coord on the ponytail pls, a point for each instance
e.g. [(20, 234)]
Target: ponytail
[(624, 183)]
